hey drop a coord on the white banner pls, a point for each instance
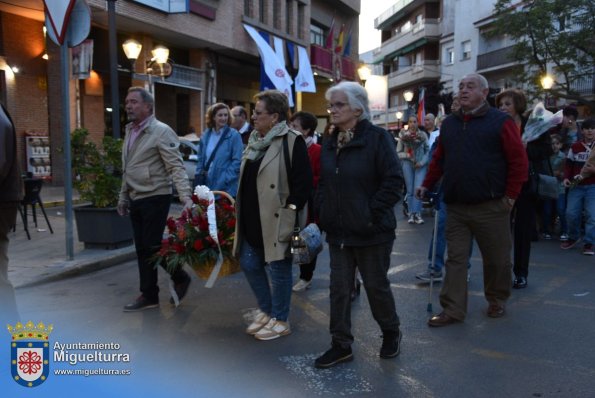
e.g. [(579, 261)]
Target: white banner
[(272, 66), (304, 81)]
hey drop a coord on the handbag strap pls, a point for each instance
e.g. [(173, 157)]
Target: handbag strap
[(223, 136), (296, 226)]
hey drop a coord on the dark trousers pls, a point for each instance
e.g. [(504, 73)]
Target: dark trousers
[(307, 270), (488, 223), (373, 263), (8, 305), (523, 217), (148, 217)]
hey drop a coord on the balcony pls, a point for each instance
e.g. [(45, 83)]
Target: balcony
[(321, 60), (404, 42), (584, 86), (495, 59), (428, 70)]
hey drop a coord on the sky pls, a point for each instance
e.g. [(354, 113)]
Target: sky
[(369, 38)]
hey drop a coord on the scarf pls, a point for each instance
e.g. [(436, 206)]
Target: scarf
[(257, 145), (343, 138)]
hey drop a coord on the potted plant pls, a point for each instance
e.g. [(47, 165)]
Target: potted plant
[(97, 176)]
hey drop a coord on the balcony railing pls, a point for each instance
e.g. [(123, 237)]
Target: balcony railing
[(321, 58), (391, 11), (428, 70), (585, 86), (496, 58), (428, 28)]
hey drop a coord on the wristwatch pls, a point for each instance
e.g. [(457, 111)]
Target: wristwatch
[(291, 206)]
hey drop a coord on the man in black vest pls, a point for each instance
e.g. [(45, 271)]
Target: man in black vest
[(483, 164)]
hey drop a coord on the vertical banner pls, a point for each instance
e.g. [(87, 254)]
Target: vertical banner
[(377, 88), (421, 107), (82, 60)]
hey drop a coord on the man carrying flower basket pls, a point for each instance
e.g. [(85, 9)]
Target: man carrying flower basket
[(150, 159)]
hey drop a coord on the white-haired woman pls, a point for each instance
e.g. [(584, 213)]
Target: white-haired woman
[(360, 183)]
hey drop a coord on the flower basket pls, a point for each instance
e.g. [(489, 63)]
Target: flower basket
[(204, 268), (202, 237)]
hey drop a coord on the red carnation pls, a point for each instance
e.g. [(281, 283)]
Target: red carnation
[(198, 246)]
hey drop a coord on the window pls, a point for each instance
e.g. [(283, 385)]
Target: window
[(248, 8), (288, 16), (466, 49), (316, 35), (262, 11), (277, 14), (449, 56), (301, 27)]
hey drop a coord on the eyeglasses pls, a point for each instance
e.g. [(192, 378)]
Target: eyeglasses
[(335, 105), (257, 113)]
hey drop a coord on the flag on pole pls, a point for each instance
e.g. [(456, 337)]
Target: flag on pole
[(330, 38), (274, 69), (339, 47), (280, 52), (421, 107), (265, 82), (347, 49), (304, 81)]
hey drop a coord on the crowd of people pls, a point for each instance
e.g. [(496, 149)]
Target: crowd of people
[(475, 162)]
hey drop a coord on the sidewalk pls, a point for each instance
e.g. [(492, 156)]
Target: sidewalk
[(43, 258)]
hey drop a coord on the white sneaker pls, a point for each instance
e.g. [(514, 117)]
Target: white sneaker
[(260, 320), (418, 219), (273, 330), (301, 285), (411, 218)]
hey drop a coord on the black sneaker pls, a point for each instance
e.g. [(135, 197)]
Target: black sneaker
[(334, 356), (391, 344), (181, 290), (141, 303)]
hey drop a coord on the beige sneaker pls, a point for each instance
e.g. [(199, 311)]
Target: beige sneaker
[(273, 330), (260, 320)]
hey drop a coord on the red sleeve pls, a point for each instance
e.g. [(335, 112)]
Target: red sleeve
[(516, 158), (435, 169)]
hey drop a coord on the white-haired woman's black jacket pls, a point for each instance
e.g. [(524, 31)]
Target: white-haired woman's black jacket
[(359, 187)]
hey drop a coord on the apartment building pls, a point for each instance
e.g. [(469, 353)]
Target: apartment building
[(211, 59), (432, 44)]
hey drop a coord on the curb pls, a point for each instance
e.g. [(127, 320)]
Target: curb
[(68, 269)]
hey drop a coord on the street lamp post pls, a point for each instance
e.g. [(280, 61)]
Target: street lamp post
[(364, 74), (408, 96), (547, 82), (111, 12)]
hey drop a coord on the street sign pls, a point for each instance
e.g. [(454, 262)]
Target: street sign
[(58, 14), (78, 28)]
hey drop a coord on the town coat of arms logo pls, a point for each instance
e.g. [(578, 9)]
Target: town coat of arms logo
[(30, 353)]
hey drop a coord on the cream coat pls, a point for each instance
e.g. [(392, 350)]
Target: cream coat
[(273, 190), (151, 163)]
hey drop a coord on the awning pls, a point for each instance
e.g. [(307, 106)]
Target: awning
[(404, 50)]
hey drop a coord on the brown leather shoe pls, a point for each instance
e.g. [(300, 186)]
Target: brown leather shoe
[(442, 319), (496, 311)]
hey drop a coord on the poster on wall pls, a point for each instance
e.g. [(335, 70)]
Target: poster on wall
[(82, 60)]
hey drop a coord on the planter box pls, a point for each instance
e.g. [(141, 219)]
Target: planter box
[(102, 228)]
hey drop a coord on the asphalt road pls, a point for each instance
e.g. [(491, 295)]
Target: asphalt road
[(543, 347)]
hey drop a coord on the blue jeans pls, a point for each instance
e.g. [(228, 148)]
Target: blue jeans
[(548, 206), (441, 241), (413, 179), (273, 299), (579, 198)]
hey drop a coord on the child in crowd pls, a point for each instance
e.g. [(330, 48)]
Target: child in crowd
[(557, 161), (581, 193)]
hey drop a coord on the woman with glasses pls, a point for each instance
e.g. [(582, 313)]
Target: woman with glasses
[(360, 183), (275, 183)]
